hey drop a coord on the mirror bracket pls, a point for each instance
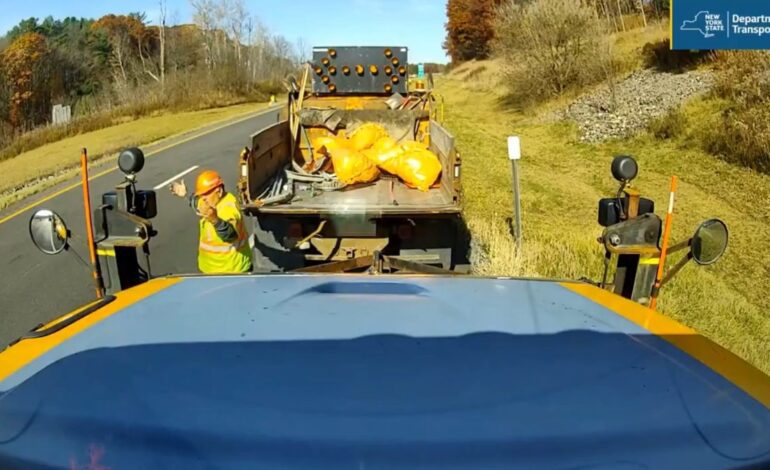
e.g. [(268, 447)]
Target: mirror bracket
[(639, 236)]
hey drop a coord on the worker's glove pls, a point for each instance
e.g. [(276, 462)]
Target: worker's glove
[(178, 188)]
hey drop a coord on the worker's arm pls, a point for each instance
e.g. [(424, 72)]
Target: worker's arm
[(226, 230), (229, 220)]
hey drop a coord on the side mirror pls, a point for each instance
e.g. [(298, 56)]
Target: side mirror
[(706, 247), (624, 168), (48, 232), (131, 161), (709, 242)]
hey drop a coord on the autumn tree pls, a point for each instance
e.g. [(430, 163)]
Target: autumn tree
[(239, 50), (117, 63), (27, 69), (205, 16), (5, 101), (128, 44), (470, 28), (185, 41)]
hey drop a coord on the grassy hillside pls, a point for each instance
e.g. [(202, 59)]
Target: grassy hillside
[(562, 180)]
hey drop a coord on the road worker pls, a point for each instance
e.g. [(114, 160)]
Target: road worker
[(223, 245)]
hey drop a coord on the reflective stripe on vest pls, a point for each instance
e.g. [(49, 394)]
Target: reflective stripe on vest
[(222, 248)]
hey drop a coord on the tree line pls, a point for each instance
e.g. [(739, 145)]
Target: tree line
[(100, 64), (470, 24)]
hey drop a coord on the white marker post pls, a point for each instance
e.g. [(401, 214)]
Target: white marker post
[(514, 154)]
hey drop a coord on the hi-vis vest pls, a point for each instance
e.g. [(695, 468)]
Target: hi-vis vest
[(218, 256)]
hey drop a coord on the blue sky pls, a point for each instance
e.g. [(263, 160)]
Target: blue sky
[(417, 24)]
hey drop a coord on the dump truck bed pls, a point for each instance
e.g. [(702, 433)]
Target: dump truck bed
[(271, 153), (302, 211)]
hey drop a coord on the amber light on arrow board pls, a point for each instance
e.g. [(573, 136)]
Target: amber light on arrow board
[(373, 69), (325, 61), (332, 53), (388, 88), (332, 70), (388, 53), (346, 70), (360, 69), (388, 70), (325, 79), (395, 61)]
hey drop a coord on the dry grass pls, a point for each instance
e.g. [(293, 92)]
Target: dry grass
[(562, 181), (183, 91), (627, 47), (55, 157), (633, 21), (548, 47)]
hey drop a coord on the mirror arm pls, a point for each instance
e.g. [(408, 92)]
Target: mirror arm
[(680, 246), (78, 257), (672, 272)]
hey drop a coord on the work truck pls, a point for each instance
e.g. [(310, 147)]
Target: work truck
[(303, 215), (372, 354), (376, 361)]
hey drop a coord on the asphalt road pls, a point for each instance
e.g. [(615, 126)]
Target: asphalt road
[(35, 288)]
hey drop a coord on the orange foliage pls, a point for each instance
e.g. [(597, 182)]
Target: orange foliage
[(25, 61), (470, 28), (120, 26)]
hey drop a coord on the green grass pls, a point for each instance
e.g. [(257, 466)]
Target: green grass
[(562, 181)]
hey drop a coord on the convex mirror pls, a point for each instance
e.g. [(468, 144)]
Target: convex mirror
[(48, 232), (709, 242)]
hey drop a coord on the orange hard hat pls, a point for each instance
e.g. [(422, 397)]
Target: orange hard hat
[(207, 181)]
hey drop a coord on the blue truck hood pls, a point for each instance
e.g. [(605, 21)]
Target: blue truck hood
[(373, 372)]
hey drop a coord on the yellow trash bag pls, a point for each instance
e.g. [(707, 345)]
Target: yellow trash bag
[(413, 145), (383, 154), (352, 167), (383, 144), (366, 135), (417, 166)]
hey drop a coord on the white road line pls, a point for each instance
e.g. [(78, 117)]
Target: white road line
[(175, 177)]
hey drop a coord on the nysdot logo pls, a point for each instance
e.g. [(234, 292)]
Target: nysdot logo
[(704, 22)]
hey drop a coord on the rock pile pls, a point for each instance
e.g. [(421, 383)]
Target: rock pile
[(643, 96)]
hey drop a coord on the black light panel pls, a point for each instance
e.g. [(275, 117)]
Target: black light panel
[(370, 70)]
